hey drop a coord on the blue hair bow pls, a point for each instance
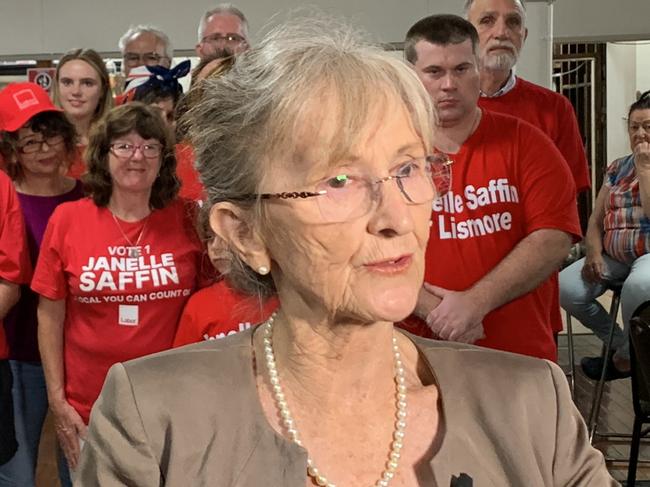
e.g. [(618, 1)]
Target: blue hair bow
[(165, 79)]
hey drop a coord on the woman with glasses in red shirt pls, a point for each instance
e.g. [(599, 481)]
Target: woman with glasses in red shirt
[(115, 269)]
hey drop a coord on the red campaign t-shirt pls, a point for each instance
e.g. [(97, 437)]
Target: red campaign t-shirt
[(117, 307), (508, 180), (191, 187), (15, 266), (553, 114), (218, 311)]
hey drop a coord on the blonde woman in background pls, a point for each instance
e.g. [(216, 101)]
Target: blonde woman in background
[(82, 89)]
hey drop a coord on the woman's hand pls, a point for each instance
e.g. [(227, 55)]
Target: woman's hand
[(593, 268), (642, 157), (70, 428)]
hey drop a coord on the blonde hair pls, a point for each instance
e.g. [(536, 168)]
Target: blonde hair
[(252, 114), (92, 58)]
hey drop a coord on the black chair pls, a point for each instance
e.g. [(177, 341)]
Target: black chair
[(640, 358), (592, 424), (615, 287)]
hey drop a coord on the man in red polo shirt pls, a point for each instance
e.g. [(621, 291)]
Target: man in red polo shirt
[(510, 215)]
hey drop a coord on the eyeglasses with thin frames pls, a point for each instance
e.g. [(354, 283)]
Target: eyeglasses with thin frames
[(228, 39), (32, 146), (147, 58), (344, 197), (124, 150)]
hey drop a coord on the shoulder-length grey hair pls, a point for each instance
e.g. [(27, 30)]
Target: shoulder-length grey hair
[(250, 118)]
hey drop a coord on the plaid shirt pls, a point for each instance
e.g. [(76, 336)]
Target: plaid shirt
[(627, 229)]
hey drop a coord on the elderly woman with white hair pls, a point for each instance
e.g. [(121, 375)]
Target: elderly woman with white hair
[(321, 187)]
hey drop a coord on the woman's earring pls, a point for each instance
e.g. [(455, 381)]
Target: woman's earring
[(263, 270)]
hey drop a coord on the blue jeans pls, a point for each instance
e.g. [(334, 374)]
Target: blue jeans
[(578, 297), (30, 407)]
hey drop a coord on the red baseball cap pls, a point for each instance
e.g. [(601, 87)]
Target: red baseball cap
[(21, 101)]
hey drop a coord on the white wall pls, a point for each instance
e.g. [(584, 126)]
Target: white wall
[(537, 55), (604, 20), (44, 27), (628, 73), (643, 66), (54, 26), (621, 93)]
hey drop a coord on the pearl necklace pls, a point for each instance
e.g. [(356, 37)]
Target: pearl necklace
[(288, 422)]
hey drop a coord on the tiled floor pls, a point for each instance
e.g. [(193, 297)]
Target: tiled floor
[(617, 415)]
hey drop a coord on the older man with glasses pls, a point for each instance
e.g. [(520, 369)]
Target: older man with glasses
[(145, 45), (223, 32)]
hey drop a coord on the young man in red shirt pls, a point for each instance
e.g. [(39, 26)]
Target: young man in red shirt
[(510, 215)]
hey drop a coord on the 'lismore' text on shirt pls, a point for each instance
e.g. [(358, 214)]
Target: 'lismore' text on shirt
[(497, 191)]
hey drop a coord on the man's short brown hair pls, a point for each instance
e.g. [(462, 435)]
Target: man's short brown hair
[(441, 30)]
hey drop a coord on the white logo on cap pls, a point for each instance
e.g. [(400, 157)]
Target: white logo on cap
[(25, 98)]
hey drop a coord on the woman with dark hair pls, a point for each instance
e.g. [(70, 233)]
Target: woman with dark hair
[(37, 142), (116, 268), (618, 248), (82, 89), (159, 87)]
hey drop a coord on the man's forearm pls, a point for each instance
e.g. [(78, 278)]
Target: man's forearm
[(594, 237), (427, 302), (51, 316), (526, 266), (9, 296)]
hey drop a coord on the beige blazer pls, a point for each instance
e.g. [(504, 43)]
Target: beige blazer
[(192, 417)]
